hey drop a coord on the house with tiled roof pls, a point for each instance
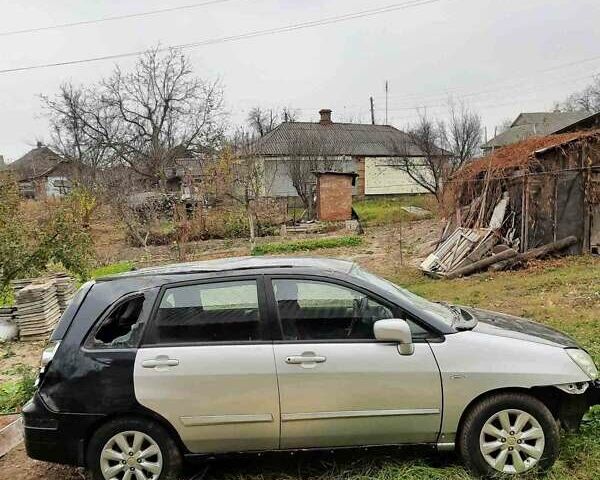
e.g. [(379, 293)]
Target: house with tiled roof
[(371, 151), (540, 124)]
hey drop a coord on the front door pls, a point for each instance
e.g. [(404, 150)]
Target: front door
[(206, 365), (337, 385)]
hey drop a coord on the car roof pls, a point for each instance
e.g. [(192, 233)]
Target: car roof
[(239, 263)]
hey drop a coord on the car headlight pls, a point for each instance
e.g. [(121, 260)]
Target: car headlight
[(584, 361)]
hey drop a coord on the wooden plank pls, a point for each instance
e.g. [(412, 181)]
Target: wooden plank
[(11, 436), (482, 264)]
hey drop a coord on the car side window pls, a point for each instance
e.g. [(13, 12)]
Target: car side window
[(316, 310), (208, 312), (121, 328)]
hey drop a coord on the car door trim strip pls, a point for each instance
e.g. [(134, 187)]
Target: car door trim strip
[(205, 420), (293, 417)]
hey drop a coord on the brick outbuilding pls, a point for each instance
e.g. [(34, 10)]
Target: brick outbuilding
[(334, 195)]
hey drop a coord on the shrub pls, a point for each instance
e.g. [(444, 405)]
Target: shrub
[(307, 245), (30, 242)]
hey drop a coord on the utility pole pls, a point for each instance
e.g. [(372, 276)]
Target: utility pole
[(372, 111), (386, 102)]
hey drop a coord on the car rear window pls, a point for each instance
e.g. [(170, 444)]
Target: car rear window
[(208, 312)]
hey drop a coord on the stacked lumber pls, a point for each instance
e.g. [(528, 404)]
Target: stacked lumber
[(65, 289), (20, 283), (37, 311), (465, 252), (461, 248)]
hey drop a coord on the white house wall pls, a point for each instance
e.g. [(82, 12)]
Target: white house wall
[(52, 188), (383, 176), (277, 181)]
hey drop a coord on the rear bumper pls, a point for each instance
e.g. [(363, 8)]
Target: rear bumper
[(52, 437)]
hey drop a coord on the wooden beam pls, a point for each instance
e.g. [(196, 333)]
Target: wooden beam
[(482, 264)]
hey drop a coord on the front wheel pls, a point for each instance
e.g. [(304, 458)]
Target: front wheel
[(133, 449), (509, 434)]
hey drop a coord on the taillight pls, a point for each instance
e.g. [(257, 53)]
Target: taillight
[(48, 355)]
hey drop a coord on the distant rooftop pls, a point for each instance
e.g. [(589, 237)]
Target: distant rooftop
[(521, 153), (539, 124), (37, 162), (331, 138)]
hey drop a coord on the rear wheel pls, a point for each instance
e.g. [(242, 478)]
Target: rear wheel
[(509, 434), (133, 449)]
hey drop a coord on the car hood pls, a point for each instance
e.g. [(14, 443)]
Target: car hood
[(503, 325)]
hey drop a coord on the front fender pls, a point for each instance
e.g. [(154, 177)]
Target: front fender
[(474, 363)]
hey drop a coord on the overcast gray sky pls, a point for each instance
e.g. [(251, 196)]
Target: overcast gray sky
[(502, 57)]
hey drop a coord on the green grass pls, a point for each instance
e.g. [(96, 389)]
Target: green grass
[(6, 297), (111, 269), (381, 211), (307, 245), (15, 393)]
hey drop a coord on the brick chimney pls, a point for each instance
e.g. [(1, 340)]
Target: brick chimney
[(325, 116)]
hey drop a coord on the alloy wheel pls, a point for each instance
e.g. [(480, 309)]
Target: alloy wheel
[(131, 456), (512, 441)]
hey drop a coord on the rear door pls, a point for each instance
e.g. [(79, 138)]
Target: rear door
[(338, 385), (206, 365)]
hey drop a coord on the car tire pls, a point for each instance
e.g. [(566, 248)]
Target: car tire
[(484, 429), (152, 451)]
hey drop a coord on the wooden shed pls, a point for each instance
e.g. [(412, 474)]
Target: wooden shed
[(553, 189)]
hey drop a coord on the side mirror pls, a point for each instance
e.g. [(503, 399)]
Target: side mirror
[(395, 330)]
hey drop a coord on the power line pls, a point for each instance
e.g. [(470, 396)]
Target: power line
[(530, 90), (447, 91), (520, 94), (243, 36), (112, 18)]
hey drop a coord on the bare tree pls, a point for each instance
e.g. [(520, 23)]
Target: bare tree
[(262, 121), (505, 125), (307, 155), (239, 174), (144, 118), (587, 100), (421, 157), (434, 151), (70, 139), (461, 134)]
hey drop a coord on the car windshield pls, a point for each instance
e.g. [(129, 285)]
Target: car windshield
[(442, 311)]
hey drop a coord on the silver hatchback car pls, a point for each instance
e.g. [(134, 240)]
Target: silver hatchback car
[(281, 354)]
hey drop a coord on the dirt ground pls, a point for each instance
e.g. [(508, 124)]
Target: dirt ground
[(16, 354), (16, 465)]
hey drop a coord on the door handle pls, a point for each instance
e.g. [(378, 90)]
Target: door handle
[(301, 359), (160, 362)]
